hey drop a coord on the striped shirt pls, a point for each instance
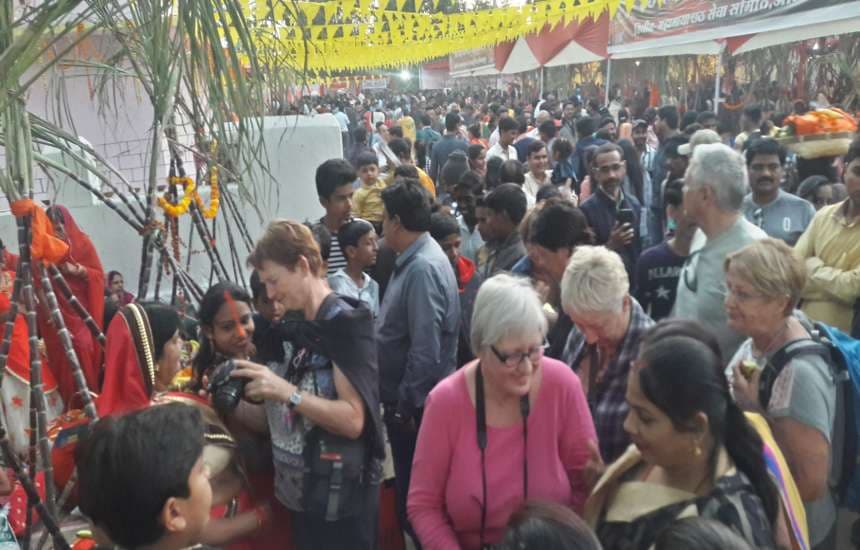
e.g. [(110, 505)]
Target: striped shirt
[(336, 259)]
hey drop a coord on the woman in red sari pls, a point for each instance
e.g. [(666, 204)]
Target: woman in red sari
[(142, 357), (83, 271), (16, 383)]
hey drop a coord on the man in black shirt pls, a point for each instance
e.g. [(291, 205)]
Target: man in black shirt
[(659, 267)]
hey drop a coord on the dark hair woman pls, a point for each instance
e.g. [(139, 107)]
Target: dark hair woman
[(116, 291), (547, 526), (226, 328), (694, 450)]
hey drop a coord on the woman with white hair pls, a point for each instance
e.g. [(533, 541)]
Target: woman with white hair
[(509, 427), (608, 325)]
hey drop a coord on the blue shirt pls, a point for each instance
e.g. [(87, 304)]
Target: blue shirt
[(418, 325)]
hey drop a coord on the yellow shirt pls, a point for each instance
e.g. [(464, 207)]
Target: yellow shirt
[(367, 201), (831, 248), (407, 123), (426, 182)]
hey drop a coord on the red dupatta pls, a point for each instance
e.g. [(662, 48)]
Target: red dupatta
[(90, 292), (18, 360), (129, 363)]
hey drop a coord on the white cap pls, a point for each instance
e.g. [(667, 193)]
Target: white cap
[(701, 137)]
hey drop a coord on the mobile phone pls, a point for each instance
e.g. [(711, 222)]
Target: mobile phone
[(625, 215)]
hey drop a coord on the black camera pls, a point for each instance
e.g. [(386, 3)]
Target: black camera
[(225, 390)]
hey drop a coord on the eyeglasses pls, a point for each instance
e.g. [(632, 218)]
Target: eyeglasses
[(741, 296), (514, 360)]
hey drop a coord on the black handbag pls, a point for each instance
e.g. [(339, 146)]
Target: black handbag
[(335, 474)]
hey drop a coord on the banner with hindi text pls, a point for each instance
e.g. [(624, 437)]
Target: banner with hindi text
[(676, 17)]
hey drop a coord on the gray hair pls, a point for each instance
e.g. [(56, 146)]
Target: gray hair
[(505, 306), (723, 170), (594, 281)]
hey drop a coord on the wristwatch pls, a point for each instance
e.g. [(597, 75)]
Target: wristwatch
[(295, 400)]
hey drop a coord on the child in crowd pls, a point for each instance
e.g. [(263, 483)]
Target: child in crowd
[(267, 339), (358, 240), (143, 481), (367, 200)]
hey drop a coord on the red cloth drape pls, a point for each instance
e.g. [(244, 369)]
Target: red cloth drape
[(123, 389), (89, 290)]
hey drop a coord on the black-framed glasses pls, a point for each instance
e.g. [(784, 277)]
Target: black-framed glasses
[(514, 360)]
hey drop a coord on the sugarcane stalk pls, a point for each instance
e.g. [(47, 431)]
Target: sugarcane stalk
[(66, 339), (67, 492), (208, 240), (36, 362), (10, 324), (149, 229), (232, 209), (159, 267), (46, 163), (30, 488), (32, 467), (234, 252), (187, 282), (79, 308)]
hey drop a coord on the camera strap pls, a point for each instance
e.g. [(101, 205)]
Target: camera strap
[(481, 419)]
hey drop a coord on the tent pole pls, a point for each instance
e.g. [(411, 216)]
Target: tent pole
[(717, 71), (541, 81), (608, 79)]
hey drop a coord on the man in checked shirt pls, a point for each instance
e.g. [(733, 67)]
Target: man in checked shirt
[(608, 325)]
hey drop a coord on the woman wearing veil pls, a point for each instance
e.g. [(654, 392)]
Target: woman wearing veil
[(83, 271)]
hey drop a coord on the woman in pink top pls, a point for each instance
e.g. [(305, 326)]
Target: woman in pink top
[(535, 434)]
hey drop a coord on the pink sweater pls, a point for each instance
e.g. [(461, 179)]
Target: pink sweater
[(445, 490)]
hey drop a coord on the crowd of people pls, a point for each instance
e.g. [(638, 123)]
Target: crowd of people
[(526, 326)]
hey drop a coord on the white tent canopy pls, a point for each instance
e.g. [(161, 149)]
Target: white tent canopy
[(521, 59), (573, 54)]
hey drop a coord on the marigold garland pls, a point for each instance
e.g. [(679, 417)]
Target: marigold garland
[(180, 208), (214, 196)]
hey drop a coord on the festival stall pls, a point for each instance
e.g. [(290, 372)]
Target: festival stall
[(699, 27)]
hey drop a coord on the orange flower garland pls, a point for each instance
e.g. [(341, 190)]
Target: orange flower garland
[(176, 210), (214, 196)]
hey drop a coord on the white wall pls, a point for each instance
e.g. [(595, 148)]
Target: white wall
[(294, 146)]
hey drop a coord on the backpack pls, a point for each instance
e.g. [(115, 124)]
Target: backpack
[(842, 353)]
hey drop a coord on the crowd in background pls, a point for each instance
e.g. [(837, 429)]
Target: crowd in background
[(545, 324)]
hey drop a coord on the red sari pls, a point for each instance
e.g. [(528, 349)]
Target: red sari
[(89, 291)]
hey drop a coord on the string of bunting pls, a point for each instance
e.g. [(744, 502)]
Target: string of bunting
[(335, 36)]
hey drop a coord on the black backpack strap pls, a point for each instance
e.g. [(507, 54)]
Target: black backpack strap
[(781, 358)]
